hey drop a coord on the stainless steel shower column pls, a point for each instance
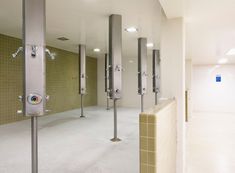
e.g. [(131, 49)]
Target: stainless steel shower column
[(106, 71), (34, 95), (115, 64), (82, 74), (142, 69), (156, 74)]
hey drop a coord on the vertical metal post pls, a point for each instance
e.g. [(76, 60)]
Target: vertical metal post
[(115, 138), (34, 141), (34, 95), (142, 103), (82, 114), (142, 69), (106, 71), (82, 74), (156, 101), (156, 74), (115, 64), (108, 101)]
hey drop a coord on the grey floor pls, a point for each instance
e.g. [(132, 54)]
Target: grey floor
[(68, 144)]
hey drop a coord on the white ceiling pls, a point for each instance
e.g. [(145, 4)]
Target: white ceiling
[(210, 30), (210, 27), (86, 22)]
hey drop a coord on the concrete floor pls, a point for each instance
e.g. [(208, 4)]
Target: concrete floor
[(211, 143), (68, 144)]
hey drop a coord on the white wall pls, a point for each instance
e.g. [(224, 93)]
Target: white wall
[(208, 95), (173, 77)]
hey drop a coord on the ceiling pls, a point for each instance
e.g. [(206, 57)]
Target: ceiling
[(210, 26), (86, 22), (210, 30)]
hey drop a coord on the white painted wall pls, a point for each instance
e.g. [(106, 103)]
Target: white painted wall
[(173, 77), (208, 95)]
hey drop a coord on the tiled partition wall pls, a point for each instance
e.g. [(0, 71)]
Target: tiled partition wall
[(158, 139), (61, 78)]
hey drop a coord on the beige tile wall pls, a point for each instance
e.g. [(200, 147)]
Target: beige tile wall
[(61, 78), (158, 139)]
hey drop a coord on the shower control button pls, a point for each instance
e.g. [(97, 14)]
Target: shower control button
[(34, 99)]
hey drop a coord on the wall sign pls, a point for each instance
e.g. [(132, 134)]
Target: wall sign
[(218, 78)]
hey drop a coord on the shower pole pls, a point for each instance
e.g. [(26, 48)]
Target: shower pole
[(106, 71), (115, 65), (156, 73), (34, 92), (142, 69), (82, 74), (142, 103)]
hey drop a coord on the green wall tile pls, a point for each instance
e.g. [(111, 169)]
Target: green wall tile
[(61, 78)]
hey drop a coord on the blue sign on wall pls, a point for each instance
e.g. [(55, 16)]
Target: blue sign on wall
[(218, 78)]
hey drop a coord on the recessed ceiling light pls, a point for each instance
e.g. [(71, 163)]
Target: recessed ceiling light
[(231, 52), (62, 39), (223, 61), (131, 61), (96, 50), (131, 29), (149, 45)]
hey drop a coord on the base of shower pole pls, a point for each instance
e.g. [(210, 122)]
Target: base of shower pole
[(115, 140), (82, 116)]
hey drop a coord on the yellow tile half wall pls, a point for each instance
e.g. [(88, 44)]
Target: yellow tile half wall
[(158, 138), (61, 78)]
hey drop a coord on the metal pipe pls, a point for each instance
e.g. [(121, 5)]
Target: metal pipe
[(115, 118), (115, 138), (107, 101), (34, 145), (82, 114), (156, 98), (142, 102)]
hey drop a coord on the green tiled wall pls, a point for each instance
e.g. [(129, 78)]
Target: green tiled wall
[(61, 78)]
